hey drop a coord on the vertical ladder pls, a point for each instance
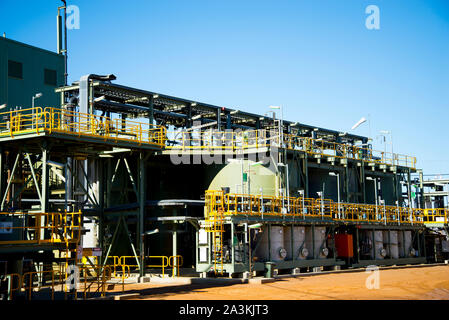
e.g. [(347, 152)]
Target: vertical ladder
[(217, 239), (214, 225)]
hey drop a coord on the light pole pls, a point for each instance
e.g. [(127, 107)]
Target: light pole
[(286, 186), (36, 96), (281, 143), (320, 194), (375, 192), (301, 194), (382, 202), (409, 201), (281, 124), (338, 189), (389, 132), (362, 120)]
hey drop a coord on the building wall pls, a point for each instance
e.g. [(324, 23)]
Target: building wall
[(18, 92)]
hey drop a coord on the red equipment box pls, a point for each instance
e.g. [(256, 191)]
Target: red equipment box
[(344, 245)]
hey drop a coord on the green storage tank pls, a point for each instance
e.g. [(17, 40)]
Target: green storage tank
[(240, 176)]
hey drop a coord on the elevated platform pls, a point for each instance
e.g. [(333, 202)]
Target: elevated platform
[(68, 130), (220, 206), (92, 133)]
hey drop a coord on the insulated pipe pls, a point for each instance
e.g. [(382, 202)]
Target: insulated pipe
[(84, 89)]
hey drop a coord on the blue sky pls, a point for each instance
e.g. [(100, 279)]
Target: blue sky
[(315, 58)]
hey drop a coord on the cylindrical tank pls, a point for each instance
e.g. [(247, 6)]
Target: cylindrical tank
[(408, 244), (405, 244), (278, 251), (316, 241), (299, 250), (380, 251), (259, 179), (321, 249), (393, 249)]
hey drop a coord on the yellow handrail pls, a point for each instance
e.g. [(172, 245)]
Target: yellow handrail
[(175, 262), (11, 277), (301, 208), (58, 228), (82, 124)]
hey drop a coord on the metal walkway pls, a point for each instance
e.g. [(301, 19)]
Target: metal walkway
[(51, 121), (220, 205), (75, 125)]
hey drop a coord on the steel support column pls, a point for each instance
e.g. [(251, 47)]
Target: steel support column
[(5, 195), (151, 111), (44, 179), (141, 220), (363, 182), (409, 195), (175, 249), (101, 203), (2, 180), (108, 182), (305, 170), (347, 185)]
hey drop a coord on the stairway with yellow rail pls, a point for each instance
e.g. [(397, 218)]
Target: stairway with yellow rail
[(215, 226)]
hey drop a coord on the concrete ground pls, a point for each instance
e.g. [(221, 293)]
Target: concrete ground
[(417, 283)]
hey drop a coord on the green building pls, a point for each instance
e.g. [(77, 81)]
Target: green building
[(25, 71)]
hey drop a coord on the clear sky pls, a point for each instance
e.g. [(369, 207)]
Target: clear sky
[(316, 58)]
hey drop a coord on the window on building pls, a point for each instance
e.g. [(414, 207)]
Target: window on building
[(15, 69), (50, 77)]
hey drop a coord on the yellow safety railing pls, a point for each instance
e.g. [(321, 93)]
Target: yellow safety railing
[(94, 279), (214, 224), (11, 278), (39, 279), (341, 151), (224, 140), (253, 139), (117, 265), (164, 263), (37, 120), (24, 121), (175, 262), (436, 216), (122, 263), (40, 228), (302, 208)]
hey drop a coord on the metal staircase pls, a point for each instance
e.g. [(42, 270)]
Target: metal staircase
[(215, 225)]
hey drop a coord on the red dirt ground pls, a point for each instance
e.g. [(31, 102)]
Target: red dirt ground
[(425, 283)]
